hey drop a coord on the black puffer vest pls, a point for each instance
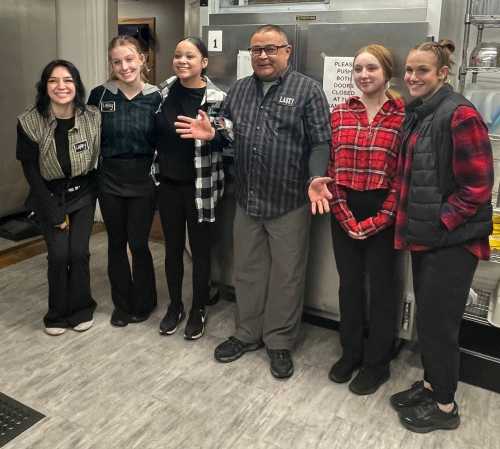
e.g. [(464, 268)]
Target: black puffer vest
[(432, 179)]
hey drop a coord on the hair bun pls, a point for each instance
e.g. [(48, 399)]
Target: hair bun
[(447, 44)]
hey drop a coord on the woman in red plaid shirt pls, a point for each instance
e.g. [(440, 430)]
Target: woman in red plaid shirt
[(362, 168), (445, 177)]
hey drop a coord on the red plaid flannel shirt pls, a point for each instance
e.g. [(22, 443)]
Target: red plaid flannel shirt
[(473, 170), (364, 157)]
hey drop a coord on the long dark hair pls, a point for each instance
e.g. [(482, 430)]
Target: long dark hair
[(200, 45), (42, 97)]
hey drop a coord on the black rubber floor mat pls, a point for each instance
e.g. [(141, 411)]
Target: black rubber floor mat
[(15, 418)]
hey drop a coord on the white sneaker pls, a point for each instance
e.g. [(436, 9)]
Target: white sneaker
[(55, 331), (82, 327)]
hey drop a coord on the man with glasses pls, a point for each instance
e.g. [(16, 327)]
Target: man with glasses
[(278, 120)]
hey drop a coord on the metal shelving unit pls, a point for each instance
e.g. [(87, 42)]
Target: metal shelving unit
[(474, 15), (485, 285)]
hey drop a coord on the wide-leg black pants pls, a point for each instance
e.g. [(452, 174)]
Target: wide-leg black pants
[(128, 221), (70, 299), (373, 258)]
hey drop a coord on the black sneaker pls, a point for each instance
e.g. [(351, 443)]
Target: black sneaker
[(195, 326), (415, 395), (232, 349), (170, 322), (369, 379), (428, 417), (342, 370), (281, 363)]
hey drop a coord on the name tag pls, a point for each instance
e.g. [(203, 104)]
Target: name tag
[(81, 146), (108, 106), (286, 101)]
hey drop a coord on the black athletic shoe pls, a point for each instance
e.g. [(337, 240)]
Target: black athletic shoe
[(281, 363), (170, 322), (369, 379), (415, 395), (232, 349), (428, 417), (342, 370), (195, 326)]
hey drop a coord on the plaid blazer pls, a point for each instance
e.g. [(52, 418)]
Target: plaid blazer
[(83, 139)]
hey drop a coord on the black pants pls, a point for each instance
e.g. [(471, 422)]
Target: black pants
[(357, 260), (70, 300), (441, 281), (128, 221), (177, 207)]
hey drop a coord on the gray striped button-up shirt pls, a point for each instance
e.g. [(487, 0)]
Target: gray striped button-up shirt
[(273, 137)]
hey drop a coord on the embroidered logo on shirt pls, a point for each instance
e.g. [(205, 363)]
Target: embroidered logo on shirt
[(107, 106), (286, 101), (81, 146)]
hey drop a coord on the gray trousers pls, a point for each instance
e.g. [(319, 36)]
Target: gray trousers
[(270, 268)]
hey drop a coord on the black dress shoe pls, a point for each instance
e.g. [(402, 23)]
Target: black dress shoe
[(369, 379), (415, 395), (428, 417), (233, 348), (118, 319), (342, 370), (281, 363)]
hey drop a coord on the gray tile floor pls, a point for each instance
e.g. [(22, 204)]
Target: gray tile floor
[(131, 388)]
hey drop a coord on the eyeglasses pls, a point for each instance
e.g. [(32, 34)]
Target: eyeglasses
[(269, 50)]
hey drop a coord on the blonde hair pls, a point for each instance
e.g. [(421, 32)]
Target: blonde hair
[(128, 41), (442, 50), (386, 60)]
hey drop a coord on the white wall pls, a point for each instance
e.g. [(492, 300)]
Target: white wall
[(84, 28), (169, 16)]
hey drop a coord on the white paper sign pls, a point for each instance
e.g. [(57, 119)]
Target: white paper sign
[(244, 64), (215, 40), (337, 79)]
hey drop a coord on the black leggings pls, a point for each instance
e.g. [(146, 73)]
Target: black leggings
[(70, 300), (441, 281), (177, 207), (128, 221)]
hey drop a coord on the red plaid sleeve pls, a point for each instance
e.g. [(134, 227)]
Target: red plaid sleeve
[(472, 167), (384, 217), (340, 209)]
